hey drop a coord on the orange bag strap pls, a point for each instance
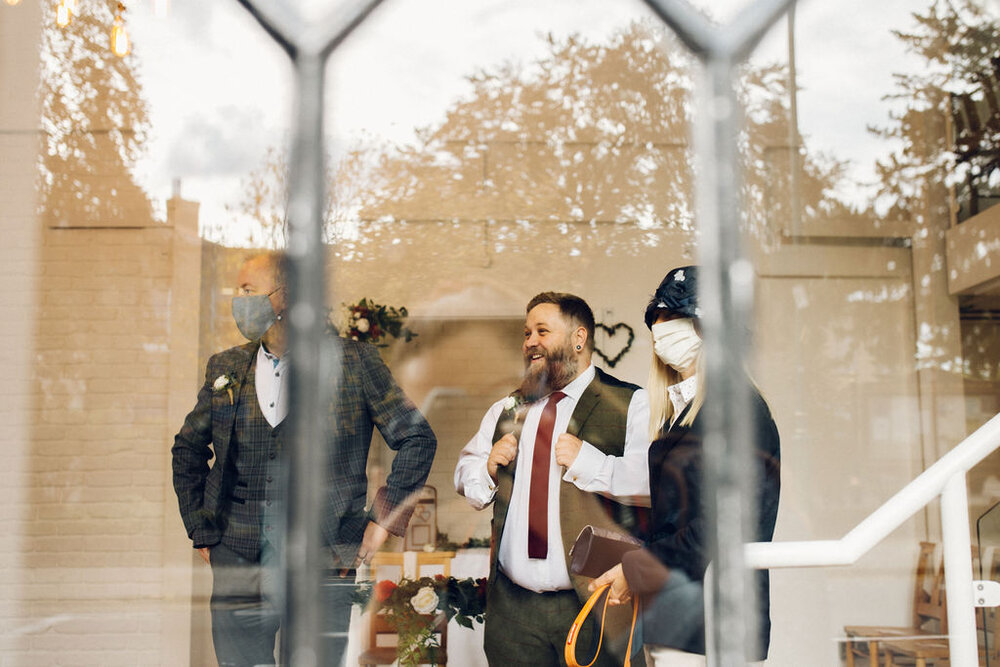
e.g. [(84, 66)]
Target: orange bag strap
[(581, 619)]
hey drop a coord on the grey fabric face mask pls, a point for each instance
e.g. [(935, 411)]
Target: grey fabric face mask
[(254, 315)]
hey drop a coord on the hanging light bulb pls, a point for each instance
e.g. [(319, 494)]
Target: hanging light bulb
[(73, 6), (119, 38), (63, 15), (13, 2)]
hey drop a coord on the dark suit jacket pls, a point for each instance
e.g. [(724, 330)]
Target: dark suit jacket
[(366, 396)]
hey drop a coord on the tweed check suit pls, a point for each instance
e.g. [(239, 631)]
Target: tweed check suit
[(365, 397)]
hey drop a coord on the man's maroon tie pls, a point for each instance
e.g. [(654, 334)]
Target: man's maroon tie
[(538, 500)]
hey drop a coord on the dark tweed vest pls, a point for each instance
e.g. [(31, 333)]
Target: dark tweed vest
[(253, 452), (600, 418)]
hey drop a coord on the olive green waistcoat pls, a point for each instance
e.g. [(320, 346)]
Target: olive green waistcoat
[(600, 418)]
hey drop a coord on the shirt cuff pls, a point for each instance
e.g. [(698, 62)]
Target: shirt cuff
[(586, 466), (486, 482)]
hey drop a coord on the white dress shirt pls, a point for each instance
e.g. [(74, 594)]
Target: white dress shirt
[(625, 477), (272, 386)]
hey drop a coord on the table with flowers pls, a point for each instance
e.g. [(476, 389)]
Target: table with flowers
[(461, 597)]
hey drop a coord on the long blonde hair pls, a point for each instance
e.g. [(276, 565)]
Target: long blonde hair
[(661, 410)]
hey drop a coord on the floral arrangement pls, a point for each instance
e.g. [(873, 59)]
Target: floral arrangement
[(372, 322), (407, 603)]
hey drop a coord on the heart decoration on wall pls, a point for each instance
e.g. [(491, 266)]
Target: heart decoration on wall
[(611, 331)]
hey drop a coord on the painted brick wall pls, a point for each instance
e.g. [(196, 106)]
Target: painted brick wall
[(93, 547)]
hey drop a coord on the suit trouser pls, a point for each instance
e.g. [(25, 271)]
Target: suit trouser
[(527, 628), (246, 609)]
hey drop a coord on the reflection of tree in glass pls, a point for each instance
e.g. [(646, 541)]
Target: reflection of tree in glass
[(591, 134), (961, 46), (593, 137), (94, 122)]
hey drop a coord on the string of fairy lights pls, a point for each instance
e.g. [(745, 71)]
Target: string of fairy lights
[(120, 44)]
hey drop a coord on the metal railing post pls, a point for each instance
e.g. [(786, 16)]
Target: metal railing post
[(957, 546), (313, 373)]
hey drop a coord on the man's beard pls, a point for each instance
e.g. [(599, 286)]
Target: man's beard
[(558, 371)]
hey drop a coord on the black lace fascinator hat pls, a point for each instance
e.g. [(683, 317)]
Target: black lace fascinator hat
[(677, 293)]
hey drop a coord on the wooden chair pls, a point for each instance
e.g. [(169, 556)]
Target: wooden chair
[(988, 618), (901, 646), (929, 614), (382, 637), (922, 652)]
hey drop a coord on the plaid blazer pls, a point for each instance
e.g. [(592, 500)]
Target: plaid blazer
[(365, 396)]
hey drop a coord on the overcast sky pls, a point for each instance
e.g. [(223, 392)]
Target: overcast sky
[(220, 91)]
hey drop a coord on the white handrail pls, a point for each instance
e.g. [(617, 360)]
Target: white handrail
[(946, 479)]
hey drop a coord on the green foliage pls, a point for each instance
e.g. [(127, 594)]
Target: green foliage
[(444, 543)]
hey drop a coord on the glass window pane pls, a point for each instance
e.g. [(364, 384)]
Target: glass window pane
[(478, 153)]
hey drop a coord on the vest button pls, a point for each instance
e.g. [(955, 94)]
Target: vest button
[(270, 478), (271, 455)]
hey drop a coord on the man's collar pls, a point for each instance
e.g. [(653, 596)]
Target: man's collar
[(274, 359)]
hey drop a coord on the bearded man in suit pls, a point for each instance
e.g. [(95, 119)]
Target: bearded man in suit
[(540, 457), (231, 510)]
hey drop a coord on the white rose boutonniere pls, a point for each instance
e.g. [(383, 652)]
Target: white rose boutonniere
[(513, 410), (224, 383), (425, 601)]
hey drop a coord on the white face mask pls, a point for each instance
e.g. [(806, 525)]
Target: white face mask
[(677, 344)]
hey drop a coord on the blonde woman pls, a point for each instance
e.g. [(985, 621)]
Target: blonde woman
[(667, 575)]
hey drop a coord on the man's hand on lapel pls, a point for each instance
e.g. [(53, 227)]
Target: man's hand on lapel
[(567, 449), (375, 537), (504, 451)]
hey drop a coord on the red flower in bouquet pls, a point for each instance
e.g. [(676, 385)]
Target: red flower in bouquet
[(384, 589)]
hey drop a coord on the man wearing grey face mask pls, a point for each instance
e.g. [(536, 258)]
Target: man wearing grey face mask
[(233, 510)]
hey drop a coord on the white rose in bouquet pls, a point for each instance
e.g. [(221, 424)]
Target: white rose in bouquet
[(425, 601), (362, 325)]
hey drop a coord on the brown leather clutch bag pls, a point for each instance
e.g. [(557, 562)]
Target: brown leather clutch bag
[(597, 550)]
